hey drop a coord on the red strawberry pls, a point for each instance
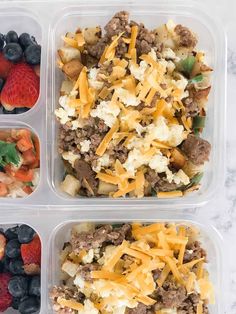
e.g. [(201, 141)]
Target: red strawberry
[(5, 66), (5, 296), (21, 88), (31, 252), (3, 243)]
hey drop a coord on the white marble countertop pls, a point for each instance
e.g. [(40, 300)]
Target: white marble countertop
[(222, 211)]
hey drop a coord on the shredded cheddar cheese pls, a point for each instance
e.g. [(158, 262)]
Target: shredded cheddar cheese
[(105, 142)]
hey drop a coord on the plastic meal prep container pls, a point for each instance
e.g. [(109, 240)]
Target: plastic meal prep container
[(48, 23), (211, 40), (209, 238)]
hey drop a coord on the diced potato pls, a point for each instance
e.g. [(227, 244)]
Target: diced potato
[(70, 185), (106, 188), (72, 69), (191, 170), (92, 34), (83, 227), (69, 53), (164, 37), (66, 88), (177, 158), (70, 268)]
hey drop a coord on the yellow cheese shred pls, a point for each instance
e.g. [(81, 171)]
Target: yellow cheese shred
[(122, 192), (200, 308), (119, 251), (160, 106), (110, 51), (173, 269), (140, 181), (70, 42), (170, 194), (83, 86), (164, 274), (108, 178), (106, 140), (134, 34), (70, 304)]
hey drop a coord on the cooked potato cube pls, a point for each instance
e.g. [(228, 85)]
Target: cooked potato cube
[(92, 35), (70, 185), (106, 188), (70, 268), (66, 88), (72, 69), (177, 158), (69, 53), (83, 227)]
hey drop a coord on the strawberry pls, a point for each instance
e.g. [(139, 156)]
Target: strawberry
[(5, 66), (31, 252), (5, 296), (21, 88), (3, 243)]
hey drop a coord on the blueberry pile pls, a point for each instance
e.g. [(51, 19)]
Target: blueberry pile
[(24, 288), (16, 48)]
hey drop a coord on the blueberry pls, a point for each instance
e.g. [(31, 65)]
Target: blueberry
[(16, 267), (12, 233), (33, 54), (21, 110), (15, 303), (18, 286), (1, 83), (13, 52), (2, 41), (26, 40), (13, 248), (6, 262), (4, 111), (11, 37), (29, 305), (34, 286), (25, 234)]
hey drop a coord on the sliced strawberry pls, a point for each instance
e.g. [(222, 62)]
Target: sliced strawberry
[(5, 66), (21, 88), (5, 296), (31, 252), (3, 243)]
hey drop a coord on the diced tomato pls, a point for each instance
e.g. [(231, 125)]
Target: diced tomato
[(4, 134), (3, 189), (27, 189), (23, 133), (37, 153), (24, 175), (8, 170), (29, 157), (24, 144), (24, 140)]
